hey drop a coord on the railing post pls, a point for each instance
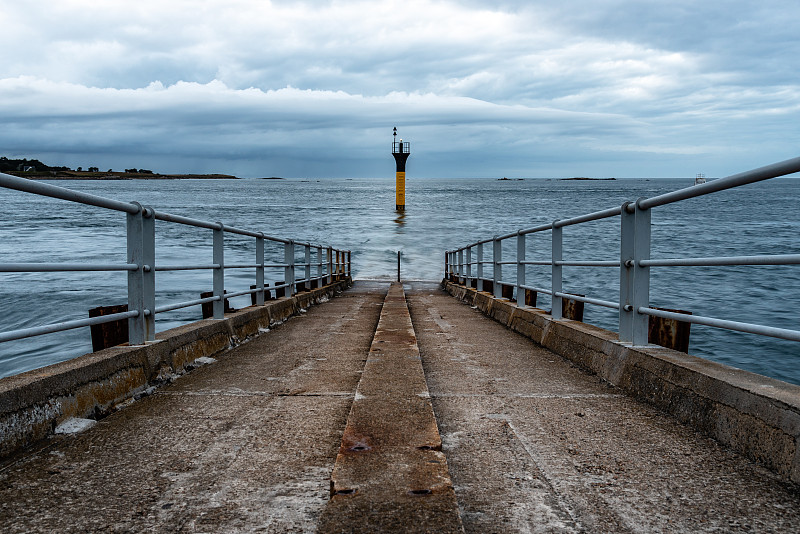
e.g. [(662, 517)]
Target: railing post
[(480, 267), (330, 265), (556, 281), (469, 266), (288, 271), (260, 270), (350, 264), (451, 265), (136, 325), (497, 272), (149, 275), (219, 273), (634, 280), (320, 281), (307, 267), (520, 269), (626, 258), (461, 279), (641, 275)]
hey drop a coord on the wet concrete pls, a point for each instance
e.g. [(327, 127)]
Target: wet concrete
[(535, 444), (249, 443), (390, 474), (244, 444)]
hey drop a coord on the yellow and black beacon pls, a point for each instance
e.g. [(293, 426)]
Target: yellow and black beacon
[(400, 151)]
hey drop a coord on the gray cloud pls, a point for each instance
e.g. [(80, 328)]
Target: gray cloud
[(313, 88)]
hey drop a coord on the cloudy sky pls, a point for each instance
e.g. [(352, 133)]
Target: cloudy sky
[(624, 88)]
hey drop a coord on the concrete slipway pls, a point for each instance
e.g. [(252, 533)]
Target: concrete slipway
[(322, 423)]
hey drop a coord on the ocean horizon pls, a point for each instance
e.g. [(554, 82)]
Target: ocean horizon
[(442, 213)]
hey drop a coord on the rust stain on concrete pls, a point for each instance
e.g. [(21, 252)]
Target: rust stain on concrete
[(390, 472)]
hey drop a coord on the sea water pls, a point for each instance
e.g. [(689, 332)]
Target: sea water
[(441, 214)]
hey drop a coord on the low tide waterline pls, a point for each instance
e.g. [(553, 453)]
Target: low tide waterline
[(360, 215)]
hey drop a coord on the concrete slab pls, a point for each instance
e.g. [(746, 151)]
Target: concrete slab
[(755, 415), (244, 444), (390, 475), (529, 442), (535, 444)]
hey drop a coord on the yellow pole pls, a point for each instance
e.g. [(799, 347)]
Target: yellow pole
[(400, 191), (400, 151)]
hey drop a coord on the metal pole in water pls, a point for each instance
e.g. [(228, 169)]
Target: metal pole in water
[(398, 265)]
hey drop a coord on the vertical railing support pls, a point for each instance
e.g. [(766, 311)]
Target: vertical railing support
[(320, 281), (469, 266), (497, 272), (288, 271), (307, 267), (350, 264), (626, 259), (520, 269), (461, 279), (556, 279), (641, 275), (260, 270), (330, 265), (451, 268), (480, 267), (136, 325), (219, 272), (634, 280), (149, 272)]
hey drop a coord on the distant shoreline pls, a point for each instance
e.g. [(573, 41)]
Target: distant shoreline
[(75, 175)]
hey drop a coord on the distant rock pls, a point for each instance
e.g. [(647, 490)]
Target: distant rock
[(584, 178)]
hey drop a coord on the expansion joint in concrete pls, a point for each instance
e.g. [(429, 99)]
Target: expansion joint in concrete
[(390, 474)]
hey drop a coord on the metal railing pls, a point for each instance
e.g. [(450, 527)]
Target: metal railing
[(634, 261), (401, 147), (331, 263)]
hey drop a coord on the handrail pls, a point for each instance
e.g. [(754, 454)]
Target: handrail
[(64, 267), (634, 261), (53, 191), (789, 166), (66, 325), (141, 265)]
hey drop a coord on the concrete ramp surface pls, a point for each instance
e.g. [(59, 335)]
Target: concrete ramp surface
[(378, 412)]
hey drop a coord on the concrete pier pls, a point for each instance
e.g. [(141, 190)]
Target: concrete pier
[(261, 440)]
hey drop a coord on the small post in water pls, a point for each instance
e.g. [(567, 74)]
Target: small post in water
[(398, 265)]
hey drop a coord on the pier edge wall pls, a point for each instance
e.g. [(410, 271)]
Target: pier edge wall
[(752, 414), (91, 386)]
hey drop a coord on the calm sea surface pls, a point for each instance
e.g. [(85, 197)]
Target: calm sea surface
[(359, 215)]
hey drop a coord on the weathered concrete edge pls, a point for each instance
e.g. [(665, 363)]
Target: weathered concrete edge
[(371, 486), (95, 384), (755, 415)]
